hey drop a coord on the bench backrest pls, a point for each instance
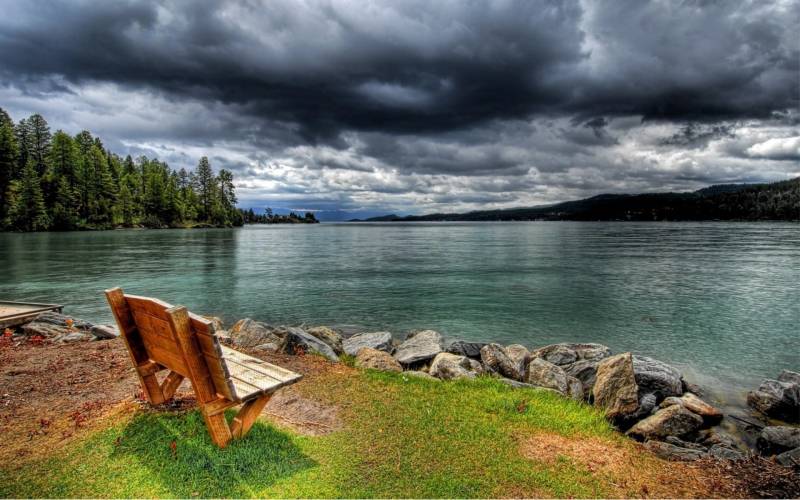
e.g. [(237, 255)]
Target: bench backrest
[(146, 321)]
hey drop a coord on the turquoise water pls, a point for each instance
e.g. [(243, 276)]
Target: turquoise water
[(720, 300)]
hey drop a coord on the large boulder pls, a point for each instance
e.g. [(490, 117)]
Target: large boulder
[(669, 451), (58, 327), (422, 346), (566, 353), (329, 336), (721, 452), (495, 359), (541, 373), (710, 414), (789, 458), (374, 359), (59, 319), (778, 398), (381, 341), (584, 370), (519, 354), (464, 348), (257, 335), (448, 366), (778, 439), (671, 421), (298, 340), (657, 377), (104, 332), (615, 389)]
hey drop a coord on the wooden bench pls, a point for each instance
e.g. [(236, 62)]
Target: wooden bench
[(162, 337)]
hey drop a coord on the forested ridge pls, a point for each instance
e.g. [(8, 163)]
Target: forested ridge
[(774, 201), (55, 181)]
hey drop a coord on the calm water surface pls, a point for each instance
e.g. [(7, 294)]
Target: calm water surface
[(720, 300)]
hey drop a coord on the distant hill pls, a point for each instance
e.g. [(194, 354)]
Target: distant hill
[(775, 201)]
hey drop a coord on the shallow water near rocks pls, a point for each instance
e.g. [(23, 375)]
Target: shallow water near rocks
[(720, 301)]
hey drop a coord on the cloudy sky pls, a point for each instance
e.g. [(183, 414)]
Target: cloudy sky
[(360, 108)]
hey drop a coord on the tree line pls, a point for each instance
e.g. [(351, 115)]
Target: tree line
[(55, 181), (268, 217)]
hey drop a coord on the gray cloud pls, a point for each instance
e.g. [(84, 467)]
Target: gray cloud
[(417, 105)]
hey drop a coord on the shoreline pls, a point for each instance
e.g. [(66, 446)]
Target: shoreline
[(644, 398)]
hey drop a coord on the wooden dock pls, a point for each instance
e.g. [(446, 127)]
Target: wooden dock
[(18, 313)]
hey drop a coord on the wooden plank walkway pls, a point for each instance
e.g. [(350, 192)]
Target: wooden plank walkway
[(18, 313)]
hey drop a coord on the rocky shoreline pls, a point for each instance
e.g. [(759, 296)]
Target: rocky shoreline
[(645, 398)]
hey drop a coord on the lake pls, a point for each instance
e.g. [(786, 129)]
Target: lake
[(719, 300)]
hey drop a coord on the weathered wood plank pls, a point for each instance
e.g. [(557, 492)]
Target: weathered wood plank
[(247, 416)]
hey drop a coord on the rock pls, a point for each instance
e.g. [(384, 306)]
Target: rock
[(710, 437), (789, 458), (778, 398), (519, 354), (690, 387), (584, 370), (298, 339), (671, 421), (565, 353), (104, 332), (422, 346), (74, 337), (519, 385), (59, 319), (615, 388), (778, 439), (448, 366), (374, 359), (495, 359), (669, 451), (464, 348), (381, 341), (647, 403), (257, 335), (419, 374), (683, 444), (725, 453), (575, 388), (52, 325), (328, 336), (545, 374), (710, 414), (217, 322), (657, 377)]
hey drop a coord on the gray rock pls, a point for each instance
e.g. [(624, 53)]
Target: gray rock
[(669, 451), (381, 341), (657, 377), (104, 332), (684, 444), (422, 346), (519, 354), (59, 319), (615, 389), (377, 360), (566, 353), (778, 439), (778, 398), (584, 370), (298, 339), (74, 337), (448, 366), (574, 388), (789, 458), (542, 373), (329, 336), (710, 414), (671, 421), (724, 453), (517, 384), (495, 359), (257, 335), (647, 403), (464, 348)]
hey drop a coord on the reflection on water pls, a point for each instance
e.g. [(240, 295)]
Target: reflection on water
[(720, 300)]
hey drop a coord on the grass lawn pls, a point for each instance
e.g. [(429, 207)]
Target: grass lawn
[(402, 437)]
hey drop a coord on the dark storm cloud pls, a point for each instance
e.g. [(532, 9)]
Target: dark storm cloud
[(417, 66)]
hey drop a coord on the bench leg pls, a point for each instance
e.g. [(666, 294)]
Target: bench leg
[(247, 416), (152, 390), (170, 385), (218, 428)]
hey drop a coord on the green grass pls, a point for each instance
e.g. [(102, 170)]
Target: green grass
[(403, 437)]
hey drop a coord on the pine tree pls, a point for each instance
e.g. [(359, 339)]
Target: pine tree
[(40, 139), (206, 189), (24, 146), (8, 161), (65, 207), (28, 210)]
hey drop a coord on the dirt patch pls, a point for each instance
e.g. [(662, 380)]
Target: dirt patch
[(621, 466), (50, 393)]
